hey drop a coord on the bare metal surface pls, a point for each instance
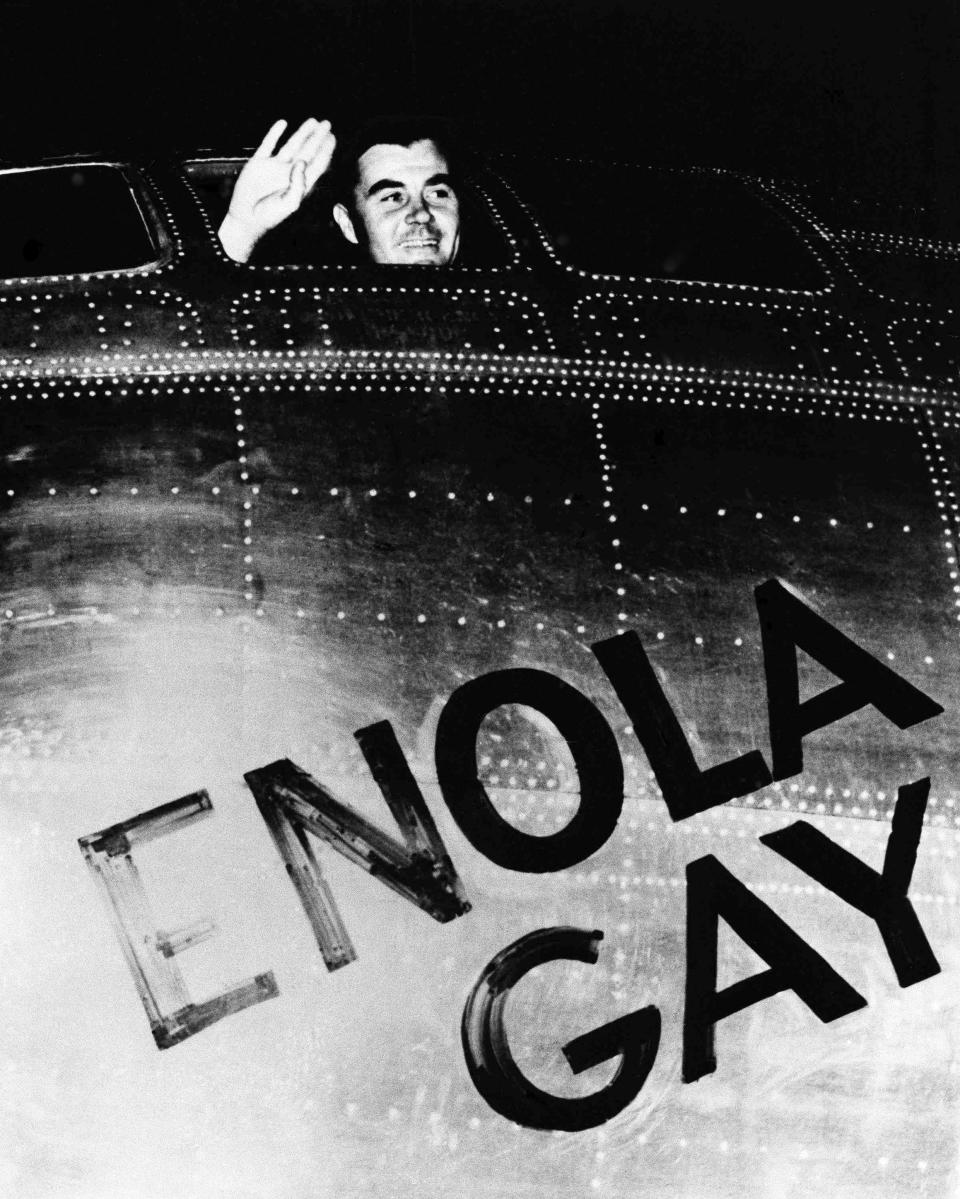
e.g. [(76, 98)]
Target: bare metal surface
[(228, 538), (136, 670)]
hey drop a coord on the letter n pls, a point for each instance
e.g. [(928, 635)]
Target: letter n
[(419, 868)]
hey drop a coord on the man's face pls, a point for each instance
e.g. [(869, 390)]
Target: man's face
[(406, 204)]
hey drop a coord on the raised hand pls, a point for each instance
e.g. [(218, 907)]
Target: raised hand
[(274, 182)]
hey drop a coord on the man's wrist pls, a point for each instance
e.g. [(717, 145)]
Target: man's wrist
[(236, 238)]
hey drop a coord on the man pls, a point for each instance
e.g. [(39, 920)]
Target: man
[(396, 200)]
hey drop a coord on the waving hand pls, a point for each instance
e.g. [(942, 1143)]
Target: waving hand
[(274, 182)]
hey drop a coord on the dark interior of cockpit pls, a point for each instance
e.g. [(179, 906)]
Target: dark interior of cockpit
[(628, 219), (620, 220), (611, 219)]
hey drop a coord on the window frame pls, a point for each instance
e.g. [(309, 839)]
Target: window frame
[(156, 231), (560, 258)]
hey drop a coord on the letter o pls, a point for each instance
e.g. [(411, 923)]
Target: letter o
[(595, 754)]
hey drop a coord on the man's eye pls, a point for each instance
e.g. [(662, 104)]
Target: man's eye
[(441, 193), (392, 198)]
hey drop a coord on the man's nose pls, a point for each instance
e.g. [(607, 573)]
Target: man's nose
[(419, 212)]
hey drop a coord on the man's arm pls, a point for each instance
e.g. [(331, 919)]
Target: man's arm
[(273, 184)]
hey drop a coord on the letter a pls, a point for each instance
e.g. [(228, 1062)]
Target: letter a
[(786, 623), (686, 788), (712, 891)]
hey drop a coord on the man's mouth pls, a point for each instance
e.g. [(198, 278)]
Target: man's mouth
[(417, 243)]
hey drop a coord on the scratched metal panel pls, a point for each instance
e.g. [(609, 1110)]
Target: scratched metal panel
[(357, 1079), (354, 1083), (734, 332), (833, 498), (442, 526), (59, 332), (120, 538), (391, 310)]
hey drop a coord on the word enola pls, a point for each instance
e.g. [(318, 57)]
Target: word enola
[(419, 868)]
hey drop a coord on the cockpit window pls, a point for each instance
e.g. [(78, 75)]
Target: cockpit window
[(665, 224), (310, 237), (70, 220)]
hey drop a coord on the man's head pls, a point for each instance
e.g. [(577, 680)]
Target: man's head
[(398, 200)]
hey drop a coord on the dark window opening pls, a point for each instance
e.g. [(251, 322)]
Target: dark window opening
[(661, 224), (70, 220), (311, 238)]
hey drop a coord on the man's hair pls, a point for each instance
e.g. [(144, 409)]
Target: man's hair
[(401, 130)]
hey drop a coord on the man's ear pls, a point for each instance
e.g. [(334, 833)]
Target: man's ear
[(342, 217)]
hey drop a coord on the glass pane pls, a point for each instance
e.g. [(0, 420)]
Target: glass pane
[(69, 220)]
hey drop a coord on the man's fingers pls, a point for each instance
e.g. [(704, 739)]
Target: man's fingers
[(294, 146), (278, 205), (321, 151), (296, 188), (269, 143)]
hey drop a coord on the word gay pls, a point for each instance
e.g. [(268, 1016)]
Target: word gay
[(420, 869)]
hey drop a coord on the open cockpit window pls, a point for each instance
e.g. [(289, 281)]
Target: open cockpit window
[(311, 238), (71, 220), (627, 220)]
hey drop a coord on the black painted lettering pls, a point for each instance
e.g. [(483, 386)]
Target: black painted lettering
[(595, 754), (635, 1038), (712, 892), (786, 623), (686, 788), (881, 896), (294, 804)]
